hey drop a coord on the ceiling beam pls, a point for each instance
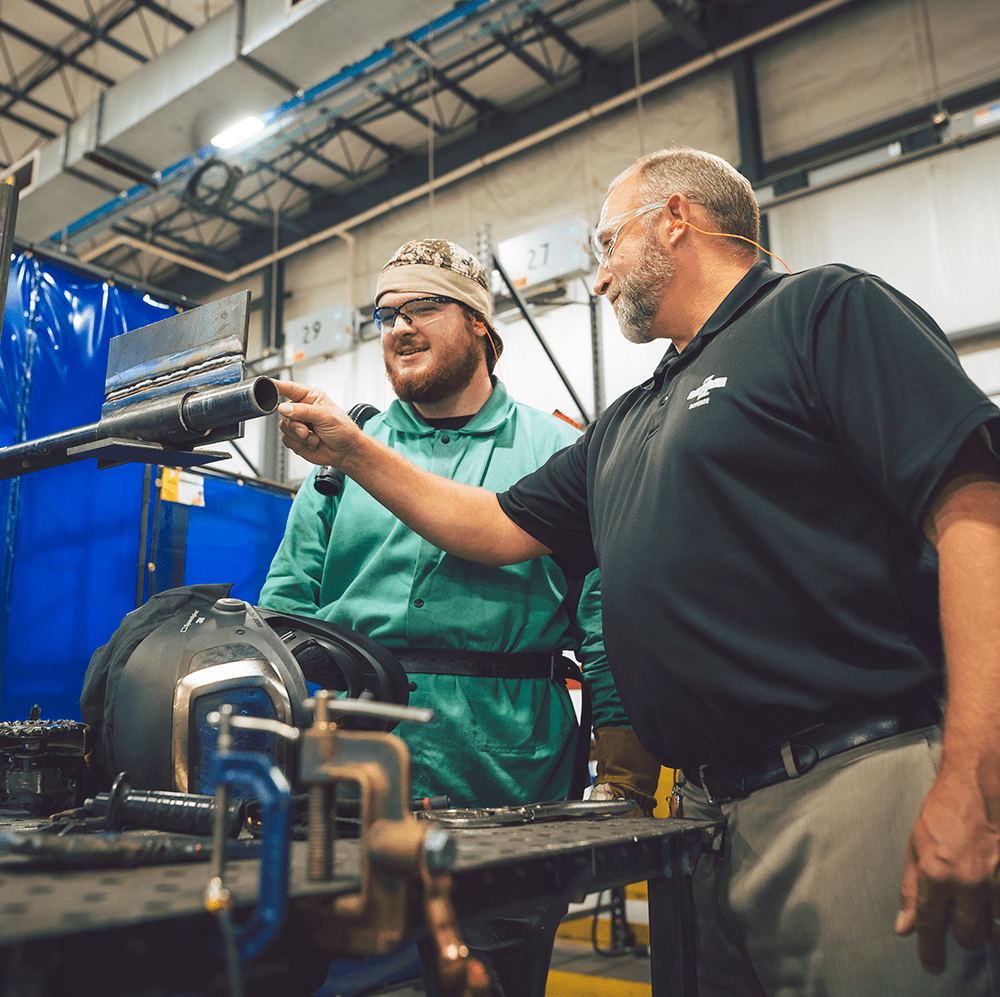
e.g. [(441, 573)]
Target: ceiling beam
[(21, 96), (515, 49), (96, 33), (387, 147), (481, 106), (197, 251), (59, 57), (168, 15), (682, 24), (25, 123), (584, 55), (313, 190), (582, 89), (400, 104)]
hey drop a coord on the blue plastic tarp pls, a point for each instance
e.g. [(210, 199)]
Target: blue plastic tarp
[(71, 542), (71, 557)]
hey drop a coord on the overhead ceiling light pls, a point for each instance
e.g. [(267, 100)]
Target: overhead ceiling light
[(237, 133)]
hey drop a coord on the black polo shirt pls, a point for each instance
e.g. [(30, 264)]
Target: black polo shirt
[(755, 509)]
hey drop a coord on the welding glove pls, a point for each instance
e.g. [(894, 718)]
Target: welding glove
[(625, 769)]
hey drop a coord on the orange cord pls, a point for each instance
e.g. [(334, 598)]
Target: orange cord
[(732, 235), (496, 358)]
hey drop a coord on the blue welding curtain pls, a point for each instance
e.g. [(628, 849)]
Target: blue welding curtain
[(71, 534), (232, 538)]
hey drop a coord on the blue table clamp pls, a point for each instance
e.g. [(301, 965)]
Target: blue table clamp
[(257, 774)]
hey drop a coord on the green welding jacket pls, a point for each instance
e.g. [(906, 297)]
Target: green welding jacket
[(493, 742)]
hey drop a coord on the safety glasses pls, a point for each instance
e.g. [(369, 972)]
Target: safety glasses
[(602, 242), (416, 312)]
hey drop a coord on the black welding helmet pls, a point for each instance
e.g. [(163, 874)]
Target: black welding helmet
[(188, 651)]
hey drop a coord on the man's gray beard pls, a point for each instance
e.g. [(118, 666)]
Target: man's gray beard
[(639, 300)]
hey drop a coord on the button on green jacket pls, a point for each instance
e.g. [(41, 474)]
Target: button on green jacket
[(493, 742)]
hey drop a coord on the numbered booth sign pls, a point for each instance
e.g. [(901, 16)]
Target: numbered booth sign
[(321, 334), (557, 251)]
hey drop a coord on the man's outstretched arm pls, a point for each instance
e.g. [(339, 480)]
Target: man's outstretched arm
[(460, 519)]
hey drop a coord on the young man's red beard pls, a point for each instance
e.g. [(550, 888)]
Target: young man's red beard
[(452, 371)]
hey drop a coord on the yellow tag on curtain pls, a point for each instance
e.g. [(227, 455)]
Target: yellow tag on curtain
[(182, 487)]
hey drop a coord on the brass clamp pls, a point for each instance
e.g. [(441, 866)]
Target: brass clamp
[(395, 846)]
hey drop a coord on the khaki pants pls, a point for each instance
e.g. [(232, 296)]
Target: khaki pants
[(806, 888)]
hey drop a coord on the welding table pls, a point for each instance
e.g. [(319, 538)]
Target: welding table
[(143, 931)]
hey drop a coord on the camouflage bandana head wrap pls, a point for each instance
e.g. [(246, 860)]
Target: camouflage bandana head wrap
[(438, 267)]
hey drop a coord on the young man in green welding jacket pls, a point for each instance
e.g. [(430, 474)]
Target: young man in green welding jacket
[(477, 641)]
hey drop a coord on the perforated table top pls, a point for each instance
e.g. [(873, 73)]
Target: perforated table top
[(493, 866)]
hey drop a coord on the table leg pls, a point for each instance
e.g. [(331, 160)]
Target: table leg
[(672, 921)]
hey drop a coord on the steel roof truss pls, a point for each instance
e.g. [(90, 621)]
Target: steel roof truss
[(91, 28)]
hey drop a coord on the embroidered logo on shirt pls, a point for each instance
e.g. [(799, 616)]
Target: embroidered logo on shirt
[(700, 394)]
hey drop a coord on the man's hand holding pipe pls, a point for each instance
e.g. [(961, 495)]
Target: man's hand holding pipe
[(314, 426), (458, 518)]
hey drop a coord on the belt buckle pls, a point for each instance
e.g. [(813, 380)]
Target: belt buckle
[(736, 791)]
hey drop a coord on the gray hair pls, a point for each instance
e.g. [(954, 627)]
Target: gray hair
[(726, 194)]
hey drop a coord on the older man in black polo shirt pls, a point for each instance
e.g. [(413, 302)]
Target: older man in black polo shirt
[(768, 512)]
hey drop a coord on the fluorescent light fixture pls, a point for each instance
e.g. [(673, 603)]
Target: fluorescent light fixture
[(237, 133)]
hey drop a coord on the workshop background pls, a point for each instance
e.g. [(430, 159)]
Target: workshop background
[(869, 128)]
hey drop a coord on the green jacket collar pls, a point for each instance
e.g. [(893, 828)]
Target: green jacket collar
[(404, 418)]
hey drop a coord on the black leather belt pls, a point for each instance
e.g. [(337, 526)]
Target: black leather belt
[(796, 756), (485, 664), (529, 665)]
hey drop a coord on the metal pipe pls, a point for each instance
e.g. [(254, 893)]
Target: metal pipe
[(49, 451), (175, 420), (8, 218), (147, 491)]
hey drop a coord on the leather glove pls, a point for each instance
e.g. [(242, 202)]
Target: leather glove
[(625, 769)]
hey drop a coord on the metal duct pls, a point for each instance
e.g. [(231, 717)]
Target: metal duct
[(247, 60)]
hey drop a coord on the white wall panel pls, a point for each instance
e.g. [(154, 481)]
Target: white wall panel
[(870, 64), (931, 228)]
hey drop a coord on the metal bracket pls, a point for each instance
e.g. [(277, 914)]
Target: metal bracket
[(114, 451)]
